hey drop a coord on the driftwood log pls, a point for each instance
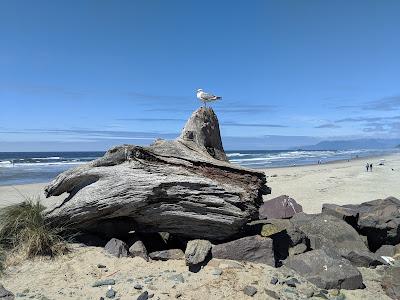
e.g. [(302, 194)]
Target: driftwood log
[(186, 187)]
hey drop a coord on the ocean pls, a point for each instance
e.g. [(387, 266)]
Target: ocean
[(37, 167)]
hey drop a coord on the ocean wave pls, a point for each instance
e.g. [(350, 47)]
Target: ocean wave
[(5, 164), (49, 158), (22, 165)]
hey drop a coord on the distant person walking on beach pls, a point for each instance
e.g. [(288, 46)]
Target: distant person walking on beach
[(370, 167), (367, 166)]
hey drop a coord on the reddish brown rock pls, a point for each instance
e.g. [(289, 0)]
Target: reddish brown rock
[(282, 207)]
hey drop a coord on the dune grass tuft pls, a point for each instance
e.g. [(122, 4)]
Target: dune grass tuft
[(23, 229)]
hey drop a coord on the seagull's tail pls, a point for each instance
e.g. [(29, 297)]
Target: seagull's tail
[(218, 97)]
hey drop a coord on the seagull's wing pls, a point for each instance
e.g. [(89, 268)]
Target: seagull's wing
[(208, 96)]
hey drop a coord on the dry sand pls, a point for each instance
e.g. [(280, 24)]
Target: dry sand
[(71, 276), (339, 182)]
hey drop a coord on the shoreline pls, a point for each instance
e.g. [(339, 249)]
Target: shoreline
[(340, 182), (262, 168)]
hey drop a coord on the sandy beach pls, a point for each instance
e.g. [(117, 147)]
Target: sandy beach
[(344, 182), (71, 276), (339, 182)]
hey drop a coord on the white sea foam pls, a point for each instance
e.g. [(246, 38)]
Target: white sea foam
[(5, 164), (46, 164)]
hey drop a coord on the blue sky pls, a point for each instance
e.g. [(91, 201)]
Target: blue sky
[(86, 75)]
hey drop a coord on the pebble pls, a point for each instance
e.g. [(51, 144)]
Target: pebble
[(177, 278), (272, 294), (292, 282), (138, 286), (111, 293), (143, 296), (308, 292), (103, 282), (250, 290), (100, 266), (274, 280), (339, 297), (334, 292), (151, 295), (178, 295), (21, 295), (320, 295), (217, 272), (148, 280)]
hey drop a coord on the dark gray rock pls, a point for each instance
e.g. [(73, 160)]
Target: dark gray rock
[(336, 237), (184, 187), (138, 249), (138, 286), (387, 250), (143, 296), (379, 220), (282, 207), (100, 266), (347, 213), (167, 254), (111, 293), (391, 282), (250, 290), (272, 294), (292, 282), (197, 252), (117, 248), (298, 249), (324, 271), (5, 294), (253, 248), (274, 280), (103, 282)]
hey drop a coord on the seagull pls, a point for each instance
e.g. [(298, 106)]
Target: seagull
[(206, 97)]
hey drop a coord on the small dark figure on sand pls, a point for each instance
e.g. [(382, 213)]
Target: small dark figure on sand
[(367, 166), (370, 167)]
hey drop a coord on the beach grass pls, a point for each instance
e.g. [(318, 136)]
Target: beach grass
[(24, 230)]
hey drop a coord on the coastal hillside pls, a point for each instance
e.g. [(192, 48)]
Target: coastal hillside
[(354, 144)]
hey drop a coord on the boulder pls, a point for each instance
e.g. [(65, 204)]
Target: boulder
[(5, 294), (138, 249), (388, 250), (281, 231), (185, 187), (167, 254), (379, 220), (197, 252), (325, 271), (117, 248), (336, 237), (252, 248), (282, 207), (273, 227), (391, 282), (298, 249), (347, 213)]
